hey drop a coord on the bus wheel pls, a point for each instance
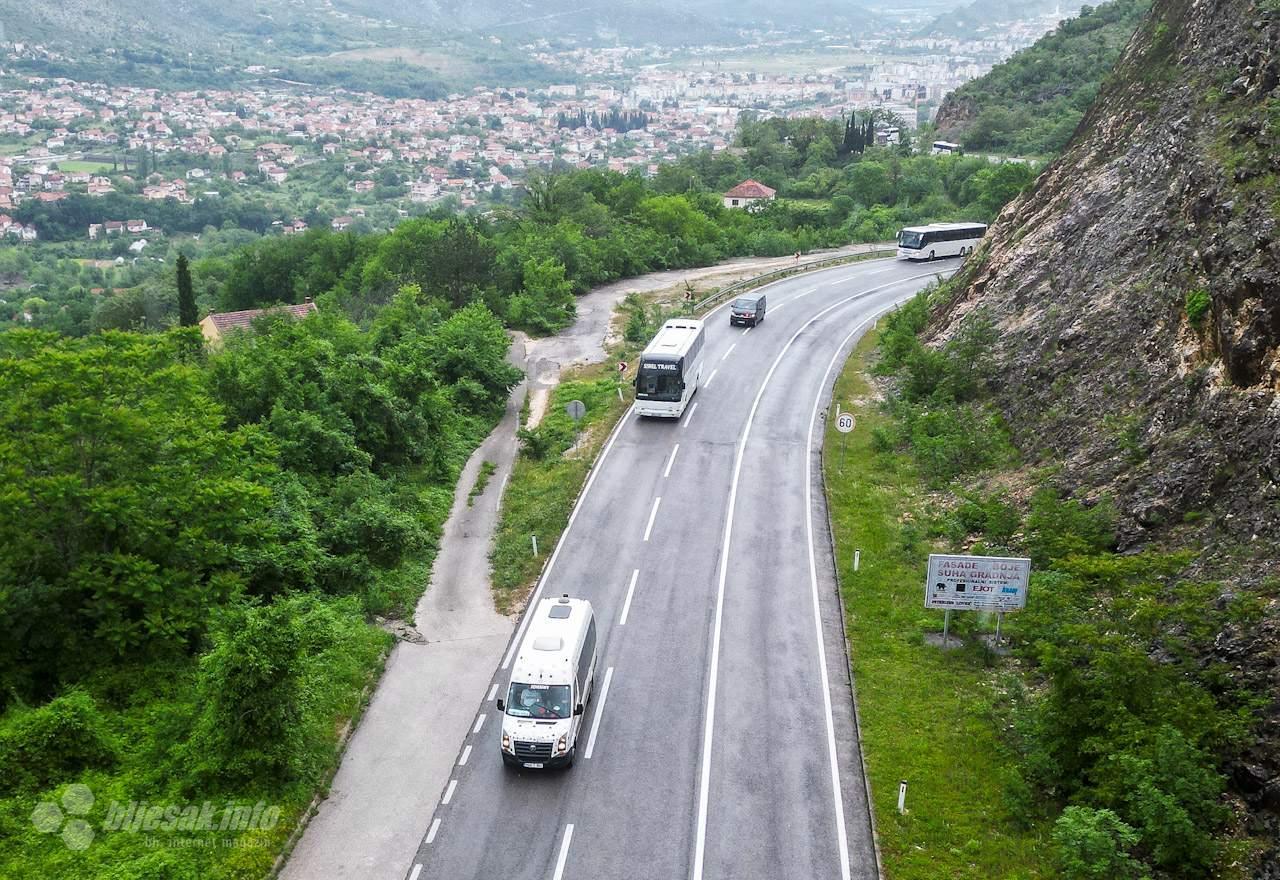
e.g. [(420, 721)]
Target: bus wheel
[(932, 256)]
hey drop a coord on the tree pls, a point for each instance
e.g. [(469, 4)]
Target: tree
[(127, 509), (187, 314)]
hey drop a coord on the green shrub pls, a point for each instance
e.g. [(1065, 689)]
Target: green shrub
[(261, 682), (1197, 304), (1058, 528), (39, 747), (1094, 845)]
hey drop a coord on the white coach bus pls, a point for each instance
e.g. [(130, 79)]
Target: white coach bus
[(939, 240), (670, 369)]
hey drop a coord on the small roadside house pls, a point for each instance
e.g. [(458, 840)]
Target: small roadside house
[(748, 193), (217, 325)]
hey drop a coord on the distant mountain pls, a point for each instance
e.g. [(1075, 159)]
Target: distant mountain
[(423, 48), (1032, 103), (981, 16)]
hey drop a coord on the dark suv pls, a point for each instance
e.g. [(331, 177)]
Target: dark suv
[(747, 310)]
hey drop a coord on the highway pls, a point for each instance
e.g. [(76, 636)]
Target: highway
[(721, 741)]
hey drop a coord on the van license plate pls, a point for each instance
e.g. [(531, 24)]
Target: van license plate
[(534, 766)]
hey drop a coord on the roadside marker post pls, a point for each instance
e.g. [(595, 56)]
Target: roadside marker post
[(534, 540), (902, 796), (857, 559)]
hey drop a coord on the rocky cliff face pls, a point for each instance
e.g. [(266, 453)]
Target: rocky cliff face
[(1137, 288)]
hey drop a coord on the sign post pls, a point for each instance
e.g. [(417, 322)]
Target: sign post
[(976, 583), (844, 424)]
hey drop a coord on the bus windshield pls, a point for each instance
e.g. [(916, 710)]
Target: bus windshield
[(911, 239), (658, 382), (538, 700)]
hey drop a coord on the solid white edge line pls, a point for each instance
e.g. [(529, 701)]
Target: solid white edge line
[(466, 756), (448, 792), (555, 554), (670, 461), (479, 723), (842, 834), (417, 869), (564, 852), (707, 384), (689, 416), (431, 833), (493, 692), (653, 515), (728, 351), (704, 786), (595, 722), (626, 605)]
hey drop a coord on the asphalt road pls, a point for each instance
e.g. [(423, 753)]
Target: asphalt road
[(723, 746)]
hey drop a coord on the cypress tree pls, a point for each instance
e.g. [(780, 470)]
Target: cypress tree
[(187, 314)]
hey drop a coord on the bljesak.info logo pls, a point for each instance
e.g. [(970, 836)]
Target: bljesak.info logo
[(171, 824)]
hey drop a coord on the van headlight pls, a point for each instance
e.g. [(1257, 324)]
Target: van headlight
[(563, 745), (506, 743)]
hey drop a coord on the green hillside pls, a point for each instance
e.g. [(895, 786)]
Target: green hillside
[(1032, 103)]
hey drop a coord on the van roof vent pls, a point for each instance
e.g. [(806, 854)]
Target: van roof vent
[(560, 612), (548, 643)]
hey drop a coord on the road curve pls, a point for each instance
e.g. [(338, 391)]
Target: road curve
[(723, 747)]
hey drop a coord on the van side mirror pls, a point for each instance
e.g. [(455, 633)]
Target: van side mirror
[(578, 709), (501, 706)]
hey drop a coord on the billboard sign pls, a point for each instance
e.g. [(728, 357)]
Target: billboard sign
[(977, 583)]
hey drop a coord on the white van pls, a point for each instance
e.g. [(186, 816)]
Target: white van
[(551, 683)]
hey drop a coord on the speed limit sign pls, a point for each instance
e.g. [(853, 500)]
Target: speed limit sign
[(844, 423)]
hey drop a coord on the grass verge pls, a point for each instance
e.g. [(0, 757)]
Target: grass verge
[(548, 477), (926, 716)]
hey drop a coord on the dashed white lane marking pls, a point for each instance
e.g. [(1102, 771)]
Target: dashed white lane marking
[(595, 723), (689, 417), (493, 692), (434, 830), (564, 853), (728, 351), (417, 869), (626, 606), (653, 515), (448, 792), (671, 461), (555, 554), (466, 756), (479, 724), (707, 384), (748, 330)]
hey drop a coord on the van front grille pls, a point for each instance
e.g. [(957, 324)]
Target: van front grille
[(532, 751)]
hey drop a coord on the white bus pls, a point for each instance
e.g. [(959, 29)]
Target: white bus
[(939, 240), (551, 683), (670, 369)]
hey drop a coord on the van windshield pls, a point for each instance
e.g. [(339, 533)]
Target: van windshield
[(539, 700), (745, 305)]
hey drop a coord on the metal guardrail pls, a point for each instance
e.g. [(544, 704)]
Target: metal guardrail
[(778, 274)]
